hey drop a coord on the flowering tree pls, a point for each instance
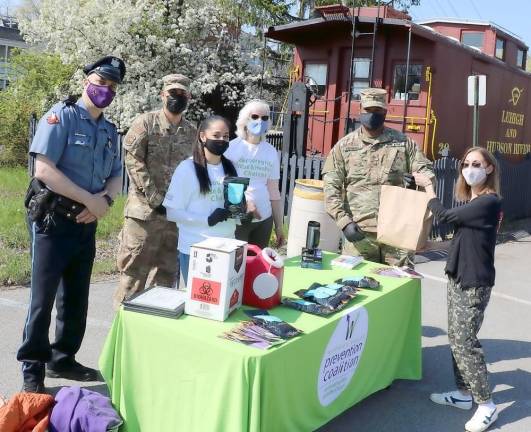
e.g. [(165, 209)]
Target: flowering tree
[(155, 38)]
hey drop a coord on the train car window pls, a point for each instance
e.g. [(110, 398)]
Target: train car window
[(473, 39), (500, 48), (413, 82), (521, 58), (360, 76), (315, 75)]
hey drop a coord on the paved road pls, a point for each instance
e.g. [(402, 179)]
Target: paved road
[(506, 336)]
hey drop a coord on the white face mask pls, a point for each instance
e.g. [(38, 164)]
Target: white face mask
[(474, 176)]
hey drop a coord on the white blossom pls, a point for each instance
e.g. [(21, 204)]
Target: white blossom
[(154, 38)]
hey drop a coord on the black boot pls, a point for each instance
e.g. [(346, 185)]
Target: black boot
[(73, 371)]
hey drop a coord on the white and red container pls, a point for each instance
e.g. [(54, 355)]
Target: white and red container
[(215, 278), (262, 287)]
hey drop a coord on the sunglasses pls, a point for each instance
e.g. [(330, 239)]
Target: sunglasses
[(474, 164), (256, 117)]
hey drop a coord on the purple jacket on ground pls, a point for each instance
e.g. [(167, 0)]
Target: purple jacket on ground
[(82, 410)]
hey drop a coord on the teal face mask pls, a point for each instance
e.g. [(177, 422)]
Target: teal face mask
[(235, 193)]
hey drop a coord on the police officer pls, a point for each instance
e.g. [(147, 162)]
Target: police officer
[(356, 168), (77, 158), (154, 145)]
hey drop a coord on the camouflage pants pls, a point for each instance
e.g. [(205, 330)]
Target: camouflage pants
[(466, 307), (147, 256), (373, 251)]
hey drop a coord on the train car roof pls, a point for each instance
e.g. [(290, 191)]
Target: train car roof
[(312, 32), (499, 29)]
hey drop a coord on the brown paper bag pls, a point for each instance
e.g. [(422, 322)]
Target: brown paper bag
[(404, 220)]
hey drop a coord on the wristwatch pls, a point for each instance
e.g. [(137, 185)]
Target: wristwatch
[(109, 200)]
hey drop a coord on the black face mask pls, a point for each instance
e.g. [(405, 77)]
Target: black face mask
[(177, 104), (372, 121), (217, 147)]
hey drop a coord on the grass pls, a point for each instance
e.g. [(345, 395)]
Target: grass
[(14, 237)]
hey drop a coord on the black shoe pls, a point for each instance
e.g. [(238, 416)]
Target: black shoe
[(33, 387), (73, 371)]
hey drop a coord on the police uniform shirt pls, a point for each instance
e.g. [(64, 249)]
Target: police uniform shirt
[(83, 149)]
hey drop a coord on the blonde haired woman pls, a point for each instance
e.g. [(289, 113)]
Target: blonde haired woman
[(471, 274), (255, 158)]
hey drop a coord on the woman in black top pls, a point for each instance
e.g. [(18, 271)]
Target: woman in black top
[(471, 274)]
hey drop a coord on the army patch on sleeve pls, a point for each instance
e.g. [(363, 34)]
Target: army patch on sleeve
[(52, 119)]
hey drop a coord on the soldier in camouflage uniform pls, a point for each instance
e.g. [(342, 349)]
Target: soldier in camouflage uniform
[(356, 168), (155, 144)]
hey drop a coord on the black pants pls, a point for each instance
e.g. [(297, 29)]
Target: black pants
[(257, 233), (62, 258)]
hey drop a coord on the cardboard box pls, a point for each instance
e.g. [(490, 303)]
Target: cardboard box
[(215, 277)]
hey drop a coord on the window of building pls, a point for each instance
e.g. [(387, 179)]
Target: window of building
[(473, 39), (315, 75), (413, 82), (360, 76), (500, 48), (521, 58)]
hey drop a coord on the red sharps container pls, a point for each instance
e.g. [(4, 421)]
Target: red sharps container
[(262, 287)]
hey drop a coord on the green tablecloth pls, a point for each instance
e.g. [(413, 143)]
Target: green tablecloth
[(177, 375)]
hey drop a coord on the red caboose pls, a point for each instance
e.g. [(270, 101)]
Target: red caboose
[(430, 104)]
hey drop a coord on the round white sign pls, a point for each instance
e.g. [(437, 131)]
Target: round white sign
[(265, 285), (342, 355)]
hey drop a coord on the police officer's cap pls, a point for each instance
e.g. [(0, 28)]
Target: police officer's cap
[(176, 81), (110, 67), (374, 97)]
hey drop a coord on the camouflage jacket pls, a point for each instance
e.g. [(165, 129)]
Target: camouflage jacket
[(153, 149), (358, 166)]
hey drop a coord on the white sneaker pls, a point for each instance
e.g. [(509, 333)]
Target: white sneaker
[(453, 398), (481, 421)]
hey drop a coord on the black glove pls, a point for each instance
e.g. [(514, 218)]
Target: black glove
[(160, 209), (409, 181), (353, 233), (247, 218), (217, 216)]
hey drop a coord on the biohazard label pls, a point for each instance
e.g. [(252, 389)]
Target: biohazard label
[(206, 291)]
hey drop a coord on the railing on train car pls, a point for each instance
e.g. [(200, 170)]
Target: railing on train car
[(515, 185), (294, 168), (446, 171)]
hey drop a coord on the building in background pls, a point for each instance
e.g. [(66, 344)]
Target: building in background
[(10, 38), (424, 67)]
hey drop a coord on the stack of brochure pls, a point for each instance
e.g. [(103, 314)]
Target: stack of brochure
[(346, 261), (161, 301)]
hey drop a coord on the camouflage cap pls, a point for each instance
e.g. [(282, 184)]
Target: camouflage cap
[(374, 97), (175, 81)]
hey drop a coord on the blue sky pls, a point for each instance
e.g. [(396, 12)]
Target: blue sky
[(510, 14)]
